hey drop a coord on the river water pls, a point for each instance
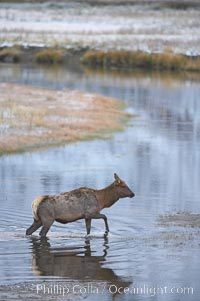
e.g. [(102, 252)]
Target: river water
[(158, 155)]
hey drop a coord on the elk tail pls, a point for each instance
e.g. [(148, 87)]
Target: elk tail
[(35, 206)]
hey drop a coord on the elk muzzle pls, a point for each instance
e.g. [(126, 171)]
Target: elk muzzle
[(132, 194)]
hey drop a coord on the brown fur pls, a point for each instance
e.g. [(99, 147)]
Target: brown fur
[(83, 203), (36, 203)]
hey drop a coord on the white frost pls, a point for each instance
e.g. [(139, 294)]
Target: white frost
[(100, 27)]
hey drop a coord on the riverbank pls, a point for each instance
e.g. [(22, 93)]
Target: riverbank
[(103, 33), (35, 118), (140, 60), (148, 26), (129, 60)]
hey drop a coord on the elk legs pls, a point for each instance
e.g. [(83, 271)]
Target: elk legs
[(33, 227), (46, 224), (88, 225), (97, 216)]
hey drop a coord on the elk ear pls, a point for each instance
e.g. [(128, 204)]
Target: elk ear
[(117, 178)]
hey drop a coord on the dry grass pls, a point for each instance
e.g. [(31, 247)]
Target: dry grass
[(130, 27), (33, 117), (11, 54), (50, 56), (193, 64), (138, 59)]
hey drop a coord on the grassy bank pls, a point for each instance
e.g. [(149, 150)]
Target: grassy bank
[(103, 25), (50, 56), (11, 54), (138, 59), (46, 55), (32, 118), (100, 59)]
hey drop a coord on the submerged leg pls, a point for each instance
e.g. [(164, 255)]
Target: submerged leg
[(105, 221), (88, 225), (44, 231), (33, 227), (45, 227)]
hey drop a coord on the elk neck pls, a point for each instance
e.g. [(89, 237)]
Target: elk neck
[(107, 196)]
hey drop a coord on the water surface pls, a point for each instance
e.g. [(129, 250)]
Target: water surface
[(158, 155)]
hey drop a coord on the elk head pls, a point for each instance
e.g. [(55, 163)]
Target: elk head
[(122, 188)]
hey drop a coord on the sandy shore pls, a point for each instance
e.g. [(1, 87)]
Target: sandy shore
[(32, 118)]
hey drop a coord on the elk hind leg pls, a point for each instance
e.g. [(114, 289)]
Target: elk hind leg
[(45, 227), (33, 227)]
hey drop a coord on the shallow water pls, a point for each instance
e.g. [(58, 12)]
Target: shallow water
[(158, 155)]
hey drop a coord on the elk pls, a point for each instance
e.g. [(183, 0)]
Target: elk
[(82, 203)]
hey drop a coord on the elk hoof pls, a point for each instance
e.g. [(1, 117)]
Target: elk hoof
[(106, 233), (28, 232), (88, 236)]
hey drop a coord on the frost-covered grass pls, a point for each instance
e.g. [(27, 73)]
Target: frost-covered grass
[(34, 117), (77, 25)]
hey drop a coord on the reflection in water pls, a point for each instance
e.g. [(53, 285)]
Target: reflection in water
[(73, 263)]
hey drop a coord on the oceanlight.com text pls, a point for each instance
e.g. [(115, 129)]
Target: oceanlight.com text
[(101, 288)]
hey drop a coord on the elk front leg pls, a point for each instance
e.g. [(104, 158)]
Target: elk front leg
[(88, 225), (105, 221)]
